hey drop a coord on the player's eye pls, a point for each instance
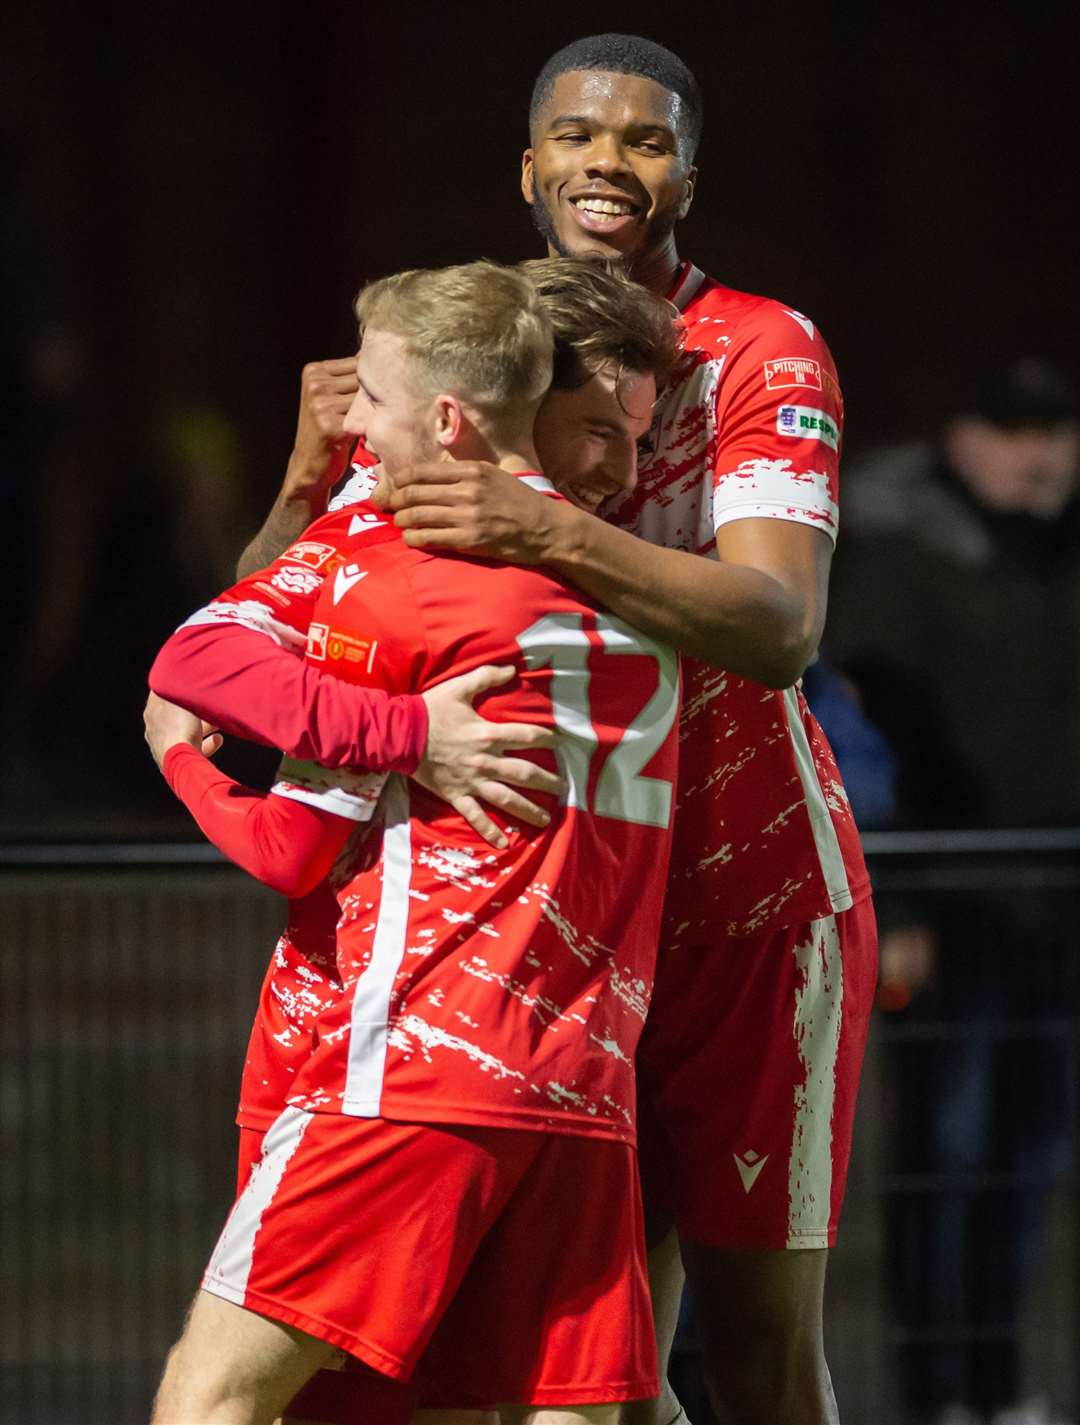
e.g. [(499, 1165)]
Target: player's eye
[(651, 146), (572, 138), (644, 447)]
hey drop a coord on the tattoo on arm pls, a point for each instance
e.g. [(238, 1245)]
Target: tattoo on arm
[(282, 527)]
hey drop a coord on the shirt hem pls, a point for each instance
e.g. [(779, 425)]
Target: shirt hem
[(408, 1111), (802, 913)]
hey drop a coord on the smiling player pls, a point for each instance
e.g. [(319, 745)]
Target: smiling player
[(769, 959), (475, 990), (769, 952)]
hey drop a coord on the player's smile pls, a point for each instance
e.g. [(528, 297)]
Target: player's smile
[(604, 210)]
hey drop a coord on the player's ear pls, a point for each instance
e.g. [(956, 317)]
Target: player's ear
[(690, 183), (449, 419), (527, 175)]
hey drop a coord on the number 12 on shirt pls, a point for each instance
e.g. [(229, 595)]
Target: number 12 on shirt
[(561, 643)]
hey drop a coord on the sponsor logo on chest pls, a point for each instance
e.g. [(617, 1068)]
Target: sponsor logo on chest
[(328, 645)]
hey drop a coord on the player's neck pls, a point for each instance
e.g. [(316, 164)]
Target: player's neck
[(657, 268), (508, 452)]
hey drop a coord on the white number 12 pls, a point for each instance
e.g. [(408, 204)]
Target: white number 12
[(559, 642)]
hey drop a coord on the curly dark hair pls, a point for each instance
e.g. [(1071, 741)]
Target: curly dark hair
[(627, 54)]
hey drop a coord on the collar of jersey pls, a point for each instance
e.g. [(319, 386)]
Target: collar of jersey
[(686, 286), (536, 481)]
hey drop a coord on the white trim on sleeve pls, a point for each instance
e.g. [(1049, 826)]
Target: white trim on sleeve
[(369, 1029), (249, 613), (345, 793)]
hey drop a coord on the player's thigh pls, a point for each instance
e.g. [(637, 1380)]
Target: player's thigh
[(780, 1021), (561, 1415), (555, 1306), (233, 1365), (666, 1280), (750, 1304)]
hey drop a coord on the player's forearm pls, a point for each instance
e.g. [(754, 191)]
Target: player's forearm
[(245, 684), (291, 514), (729, 615), (287, 845)]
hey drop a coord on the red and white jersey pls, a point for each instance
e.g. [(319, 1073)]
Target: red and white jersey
[(485, 986), (302, 979), (300, 983), (749, 427)]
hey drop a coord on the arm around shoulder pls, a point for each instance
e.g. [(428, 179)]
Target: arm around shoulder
[(756, 611)]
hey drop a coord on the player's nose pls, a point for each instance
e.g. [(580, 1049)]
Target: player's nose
[(621, 471), (354, 419), (606, 156)]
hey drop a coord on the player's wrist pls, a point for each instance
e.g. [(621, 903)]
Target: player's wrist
[(174, 757), (563, 535), (307, 477)]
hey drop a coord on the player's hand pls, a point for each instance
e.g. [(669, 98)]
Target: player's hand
[(165, 725), (465, 759), (468, 504), (907, 959), (327, 389)]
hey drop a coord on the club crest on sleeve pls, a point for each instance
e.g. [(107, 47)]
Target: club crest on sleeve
[(309, 552)]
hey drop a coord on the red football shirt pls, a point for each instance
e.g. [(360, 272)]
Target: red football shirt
[(503, 987), (749, 428), (302, 979)]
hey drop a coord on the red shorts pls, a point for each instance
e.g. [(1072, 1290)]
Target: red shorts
[(748, 1071), (487, 1264)]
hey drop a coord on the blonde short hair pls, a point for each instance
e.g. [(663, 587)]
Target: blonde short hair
[(477, 331)]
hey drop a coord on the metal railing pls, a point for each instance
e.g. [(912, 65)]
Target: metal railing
[(130, 976)]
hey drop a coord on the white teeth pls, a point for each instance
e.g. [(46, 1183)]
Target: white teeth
[(603, 207)]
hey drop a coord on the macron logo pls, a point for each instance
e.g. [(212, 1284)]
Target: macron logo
[(749, 1166), (345, 578), (805, 322), (360, 523)]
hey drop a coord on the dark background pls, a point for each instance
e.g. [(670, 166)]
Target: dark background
[(210, 185), (204, 189)]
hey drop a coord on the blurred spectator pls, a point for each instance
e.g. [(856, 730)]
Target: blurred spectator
[(866, 761), (168, 528), (956, 612)]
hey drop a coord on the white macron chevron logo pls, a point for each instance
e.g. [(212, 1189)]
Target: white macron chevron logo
[(345, 579), (749, 1166), (360, 523)]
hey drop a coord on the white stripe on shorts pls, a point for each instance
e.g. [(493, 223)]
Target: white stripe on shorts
[(370, 1019), (818, 1007), (230, 1266), (826, 841)]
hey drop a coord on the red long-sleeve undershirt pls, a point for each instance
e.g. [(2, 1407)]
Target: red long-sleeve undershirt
[(286, 844), (246, 684)]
